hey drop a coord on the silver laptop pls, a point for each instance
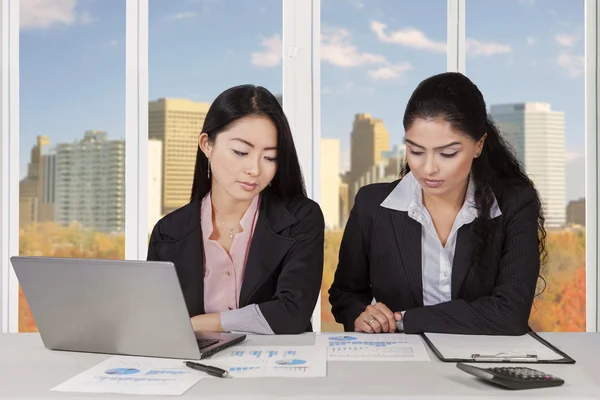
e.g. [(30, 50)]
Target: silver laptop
[(114, 307)]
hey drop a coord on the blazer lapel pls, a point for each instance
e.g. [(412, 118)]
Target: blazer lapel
[(408, 238), (268, 247), (462, 258)]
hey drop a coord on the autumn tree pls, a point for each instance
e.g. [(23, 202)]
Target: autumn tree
[(53, 240)]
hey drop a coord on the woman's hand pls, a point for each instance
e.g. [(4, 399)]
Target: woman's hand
[(377, 318), (207, 323)]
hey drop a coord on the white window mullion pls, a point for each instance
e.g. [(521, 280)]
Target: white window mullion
[(9, 163), (136, 131), (301, 88), (592, 109), (456, 42)]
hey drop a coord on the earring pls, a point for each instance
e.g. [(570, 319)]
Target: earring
[(208, 169)]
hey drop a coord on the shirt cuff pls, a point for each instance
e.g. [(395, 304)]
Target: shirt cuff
[(248, 319), (400, 324)]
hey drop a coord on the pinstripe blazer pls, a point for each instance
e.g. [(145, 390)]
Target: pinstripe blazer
[(380, 257)]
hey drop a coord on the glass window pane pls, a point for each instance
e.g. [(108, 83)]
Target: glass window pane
[(72, 140), (373, 55), (196, 51), (532, 76)]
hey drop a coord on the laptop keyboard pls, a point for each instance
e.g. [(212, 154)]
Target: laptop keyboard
[(203, 343)]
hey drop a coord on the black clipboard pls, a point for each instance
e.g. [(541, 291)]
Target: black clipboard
[(527, 359)]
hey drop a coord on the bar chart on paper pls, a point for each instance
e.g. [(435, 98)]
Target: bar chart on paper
[(253, 362), (373, 347)]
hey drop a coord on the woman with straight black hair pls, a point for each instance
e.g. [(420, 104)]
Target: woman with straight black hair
[(455, 245), (248, 248)]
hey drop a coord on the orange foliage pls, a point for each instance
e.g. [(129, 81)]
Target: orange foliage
[(332, 249), (53, 240)]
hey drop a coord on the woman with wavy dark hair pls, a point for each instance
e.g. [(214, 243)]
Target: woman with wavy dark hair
[(248, 247), (455, 245)]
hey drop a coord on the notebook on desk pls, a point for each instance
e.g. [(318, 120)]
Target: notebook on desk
[(528, 348)]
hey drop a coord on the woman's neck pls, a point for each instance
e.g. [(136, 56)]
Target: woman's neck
[(450, 202), (226, 208)]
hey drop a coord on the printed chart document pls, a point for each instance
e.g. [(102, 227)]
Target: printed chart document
[(134, 375), (373, 347), (272, 361)]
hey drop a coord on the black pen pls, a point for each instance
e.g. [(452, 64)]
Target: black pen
[(214, 371)]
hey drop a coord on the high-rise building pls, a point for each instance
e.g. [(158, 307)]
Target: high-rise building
[(90, 182), (330, 182), (177, 123), (576, 212), (537, 135), (344, 200), (36, 189), (154, 182), (368, 140)]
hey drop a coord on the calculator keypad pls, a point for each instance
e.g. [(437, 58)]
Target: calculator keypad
[(522, 373)]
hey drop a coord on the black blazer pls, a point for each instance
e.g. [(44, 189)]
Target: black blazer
[(380, 256), (284, 267)]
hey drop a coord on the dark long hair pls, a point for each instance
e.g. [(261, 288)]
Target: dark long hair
[(243, 101), (454, 98)]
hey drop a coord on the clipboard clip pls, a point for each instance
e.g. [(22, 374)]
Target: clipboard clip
[(504, 357)]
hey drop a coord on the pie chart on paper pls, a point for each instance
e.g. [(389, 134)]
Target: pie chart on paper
[(291, 362), (122, 371), (342, 338)]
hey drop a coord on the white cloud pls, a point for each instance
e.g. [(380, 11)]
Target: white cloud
[(572, 155), (358, 4), (180, 16), (527, 2), (416, 39), (390, 71), (85, 18), (272, 53), (477, 48), (531, 41), (45, 14), (566, 40), (113, 43), (337, 49), (572, 64), (409, 37)]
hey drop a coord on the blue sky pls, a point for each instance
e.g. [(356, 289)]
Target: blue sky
[(374, 53)]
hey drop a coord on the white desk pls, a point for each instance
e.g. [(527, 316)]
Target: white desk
[(28, 371)]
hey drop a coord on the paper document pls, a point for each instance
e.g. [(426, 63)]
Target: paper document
[(465, 346), (272, 361), (134, 375), (373, 347)]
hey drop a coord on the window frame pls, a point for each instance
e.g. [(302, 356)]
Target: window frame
[(9, 163), (301, 102), (592, 111)]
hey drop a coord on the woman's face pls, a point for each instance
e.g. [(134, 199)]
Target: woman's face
[(440, 157), (243, 157)]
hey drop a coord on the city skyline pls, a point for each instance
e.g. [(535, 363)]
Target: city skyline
[(376, 160), (373, 55)]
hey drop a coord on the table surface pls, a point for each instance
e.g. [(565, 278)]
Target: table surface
[(28, 371)]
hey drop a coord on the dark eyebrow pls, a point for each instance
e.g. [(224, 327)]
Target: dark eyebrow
[(251, 145), (437, 148)]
